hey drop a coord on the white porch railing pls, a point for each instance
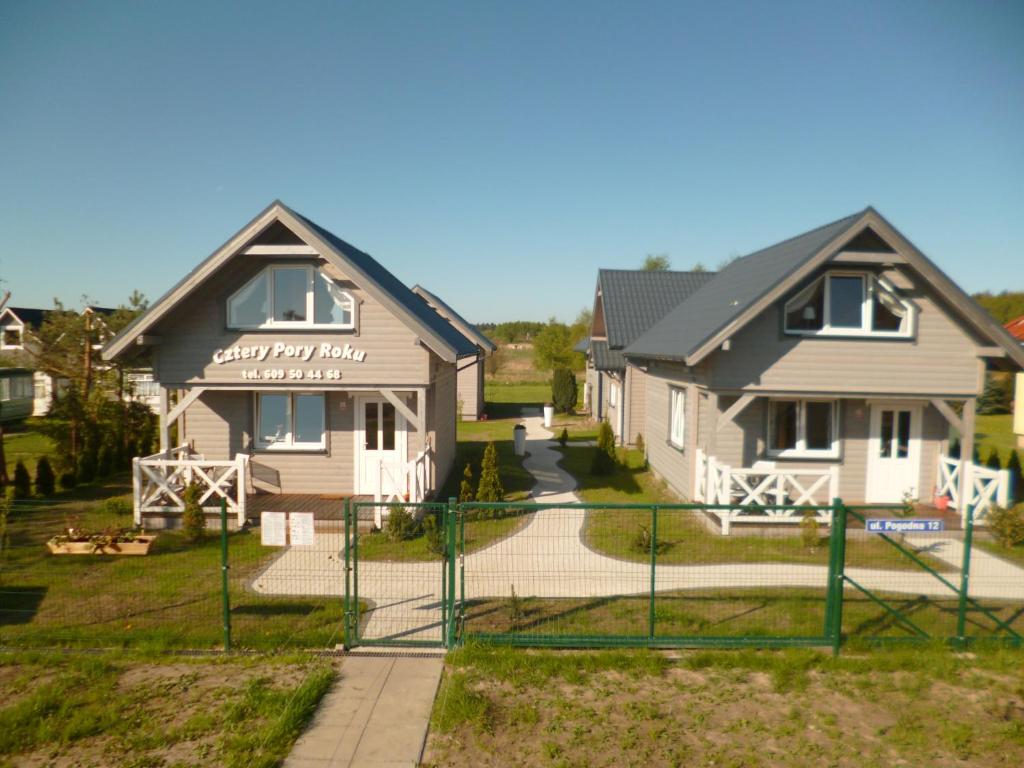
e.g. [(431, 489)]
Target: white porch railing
[(752, 487), (408, 482), (158, 482), (986, 488)]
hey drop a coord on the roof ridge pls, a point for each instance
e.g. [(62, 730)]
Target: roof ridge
[(856, 215)]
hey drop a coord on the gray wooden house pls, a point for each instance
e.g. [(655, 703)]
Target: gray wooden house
[(835, 363), (290, 362), (627, 302), (470, 380)]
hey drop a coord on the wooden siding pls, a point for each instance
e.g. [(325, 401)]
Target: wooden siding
[(941, 360), (219, 424), (441, 417), (471, 389), (194, 330), (636, 399), (669, 462)]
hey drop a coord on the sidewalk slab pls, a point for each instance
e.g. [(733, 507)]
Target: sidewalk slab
[(375, 716)]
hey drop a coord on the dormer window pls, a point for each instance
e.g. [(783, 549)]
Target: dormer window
[(849, 304), (10, 336), (291, 297)]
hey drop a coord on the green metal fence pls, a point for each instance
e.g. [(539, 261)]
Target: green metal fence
[(573, 575)]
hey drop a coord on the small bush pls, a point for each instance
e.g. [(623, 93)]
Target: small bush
[(466, 492), (604, 460), (435, 535), (401, 525), (563, 390), (641, 542), (810, 535), (193, 521), (490, 489), (68, 480), (1016, 475), (45, 481), (516, 614), (22, 482), (993, 460), (1007, 525), (118, 505), (640, 445), (564, 437)]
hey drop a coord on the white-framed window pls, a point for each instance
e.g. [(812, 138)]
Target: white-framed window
[(613, 394), (843, 303), (291, 296), (803, 429), (16, 387), (290, 421), (143, 385), (677, 416), (11, 336)]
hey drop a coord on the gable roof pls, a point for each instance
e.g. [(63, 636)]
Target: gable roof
[(462, 325), (634, 299), (31, 318), (605, 358), (1016, 328), (747, 286), (435, 332)]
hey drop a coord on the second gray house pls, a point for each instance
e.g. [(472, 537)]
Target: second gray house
[(834, 363)]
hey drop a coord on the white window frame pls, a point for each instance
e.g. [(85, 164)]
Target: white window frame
[(4, 328), (677, 417), (801, 451), (312, 274), (288, 443), (871, 283), (613, 394)]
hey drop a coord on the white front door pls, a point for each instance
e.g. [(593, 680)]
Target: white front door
[(894, 453), (380, 447)]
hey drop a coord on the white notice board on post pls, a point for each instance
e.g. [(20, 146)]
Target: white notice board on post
[(300, 529), (273, 529)]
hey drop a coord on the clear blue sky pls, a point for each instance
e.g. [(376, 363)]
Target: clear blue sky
[(500, 153)]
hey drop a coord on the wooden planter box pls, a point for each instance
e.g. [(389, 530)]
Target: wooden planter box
[(140, 546)]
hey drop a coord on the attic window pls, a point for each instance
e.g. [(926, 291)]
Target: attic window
[(291, 297), (10, 337), (849, 304)]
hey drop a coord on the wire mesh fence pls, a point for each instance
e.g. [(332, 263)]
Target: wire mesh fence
[(522, 573)]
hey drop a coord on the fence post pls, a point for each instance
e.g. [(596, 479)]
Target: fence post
[(450, 597), (836, 569), (965, 575), (347, 607), (654, 562), (225, 599)]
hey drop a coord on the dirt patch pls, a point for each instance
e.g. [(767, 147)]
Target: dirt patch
[(779, 716)]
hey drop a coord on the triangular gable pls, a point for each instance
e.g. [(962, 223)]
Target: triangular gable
[(864, 230), (272, 222)]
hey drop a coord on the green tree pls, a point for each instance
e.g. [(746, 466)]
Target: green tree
[(563, 390), (1016, 477), (1004, 306), (490, 489), (552, 347), (656, 262), (466, 492), (193, 520), (22, 481), (997, 396), (604, 459), (45, 480)]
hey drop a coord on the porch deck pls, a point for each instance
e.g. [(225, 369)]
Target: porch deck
[(323, 507)]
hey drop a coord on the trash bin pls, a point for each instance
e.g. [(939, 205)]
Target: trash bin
[(519, 439), (549, 414)]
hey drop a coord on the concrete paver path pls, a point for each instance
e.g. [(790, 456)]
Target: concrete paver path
[(375, 716)]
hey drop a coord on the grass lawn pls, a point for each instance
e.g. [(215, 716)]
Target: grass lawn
[(478, 534), (750, 612), (170, 598), (990, 545), (27, 445), (683, 538), (131, 710), (747, 709), (996, 432)]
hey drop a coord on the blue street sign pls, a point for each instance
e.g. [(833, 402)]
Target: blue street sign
[(916, 525)]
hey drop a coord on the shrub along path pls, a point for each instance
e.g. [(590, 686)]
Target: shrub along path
[(548, 558)]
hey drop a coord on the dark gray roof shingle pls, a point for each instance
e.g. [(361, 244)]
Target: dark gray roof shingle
[(730, 292), (606, 359), (634, 299), (461, 324)]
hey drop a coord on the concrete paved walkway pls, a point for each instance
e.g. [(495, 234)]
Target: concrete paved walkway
[(548, 558), (375, 716)]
